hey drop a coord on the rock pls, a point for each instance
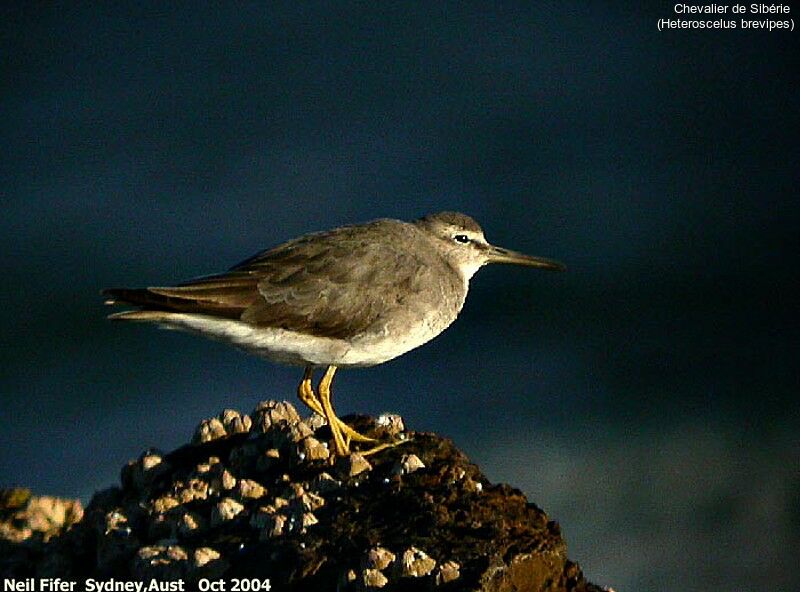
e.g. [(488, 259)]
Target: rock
[(379, 558), (14, 499), (235, 422), (264, 500), (209, 429), (161, 562), (226, 509), (207, 466), (323, 483), (30, 527), (311, 501), (194, 489), (207, 563), (274, 526), (407, 464), (293, 491), (140, 473), (268, 459), (250, 489), (280, 502), (262, 516), (115, 539), (353, 464), (392, 423), (315, 422), (447, 572), (347, 579), (271, 414), (308, 519), (189, 523), (373, 579), (204, 555), (165, 503), (228, 480), (25, 515), (415, 563), (225, 424), (311, 449)]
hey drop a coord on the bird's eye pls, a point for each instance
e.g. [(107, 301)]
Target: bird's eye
[(461, 238)]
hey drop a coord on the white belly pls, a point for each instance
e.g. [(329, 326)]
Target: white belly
[(290, 347)]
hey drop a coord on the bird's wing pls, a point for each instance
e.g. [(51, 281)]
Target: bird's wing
[(226, 295), (331, 284), (336, 284)]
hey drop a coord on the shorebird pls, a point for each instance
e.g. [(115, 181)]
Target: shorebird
[(349, 297)]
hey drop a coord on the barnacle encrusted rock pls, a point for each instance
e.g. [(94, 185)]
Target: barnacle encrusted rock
[(391, 423), (25, 517), (379, 558), (269, 414), (251, 489), (226, 423), (415, 563), (264, 498), (140, 473), (225, 509), (374, 579), (447, 572), (407, 464), (163, 561), (310, 448), (353, 464)]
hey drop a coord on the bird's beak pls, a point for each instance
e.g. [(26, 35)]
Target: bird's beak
[(500, 255)]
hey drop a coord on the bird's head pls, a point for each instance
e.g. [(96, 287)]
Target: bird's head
[(460, 240)]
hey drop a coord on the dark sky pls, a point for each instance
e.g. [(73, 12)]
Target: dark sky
[(647, 398)]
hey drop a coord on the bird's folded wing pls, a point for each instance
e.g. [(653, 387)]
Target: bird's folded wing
[(226, 295), (335, 284), (330, 285)]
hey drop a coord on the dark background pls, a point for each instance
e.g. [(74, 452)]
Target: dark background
[(647, 399)]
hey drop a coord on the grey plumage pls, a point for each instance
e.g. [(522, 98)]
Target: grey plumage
[(352, 296), (338, 284)]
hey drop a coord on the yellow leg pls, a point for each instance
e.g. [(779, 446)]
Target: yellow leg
[(342, 448), (342, 445), (350, 434), (381, 447), (305, 392)]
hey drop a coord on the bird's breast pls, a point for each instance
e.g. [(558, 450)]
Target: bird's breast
[(411, 321)]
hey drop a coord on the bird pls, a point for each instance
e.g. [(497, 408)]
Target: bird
[(353, 296)]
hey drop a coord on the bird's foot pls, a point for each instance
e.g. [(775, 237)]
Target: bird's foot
[(383, 446), (351, 435)]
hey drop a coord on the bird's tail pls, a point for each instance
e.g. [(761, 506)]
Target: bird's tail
[(133, 296), (154, 306), (206, 296)]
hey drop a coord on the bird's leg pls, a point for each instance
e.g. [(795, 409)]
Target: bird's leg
[(351, 434), (345, 433), (305, 392), (342, 448), (381, 447), (325, 399)]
